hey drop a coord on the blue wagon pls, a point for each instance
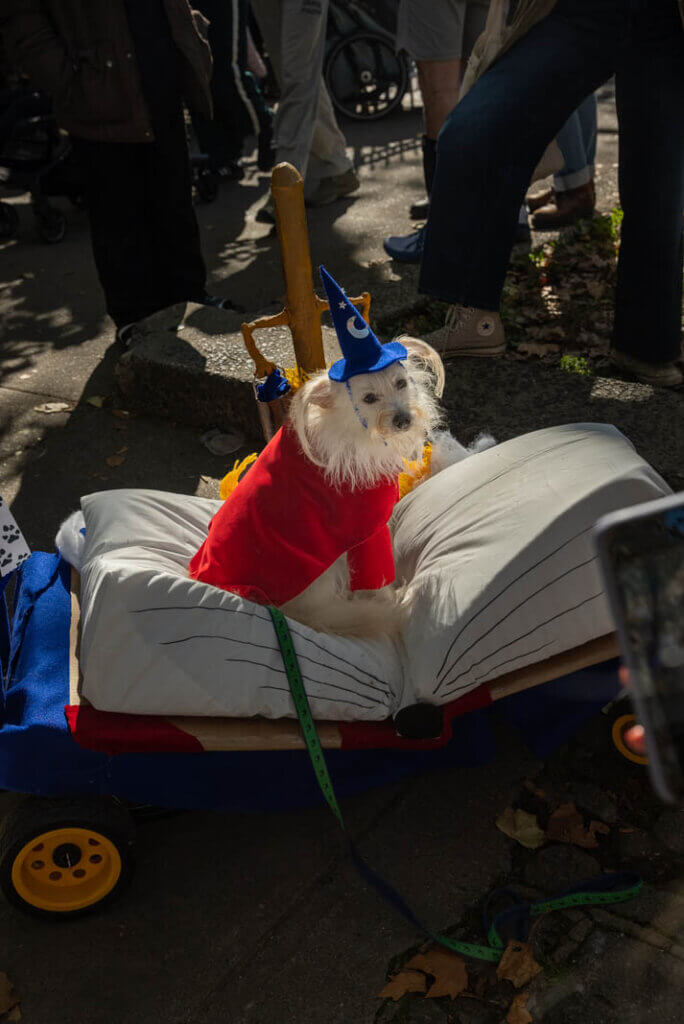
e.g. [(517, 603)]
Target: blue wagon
[(68, 844)]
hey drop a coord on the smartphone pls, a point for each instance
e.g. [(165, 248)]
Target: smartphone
[(641, 553)]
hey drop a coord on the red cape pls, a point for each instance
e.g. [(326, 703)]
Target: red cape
[(284, 525)]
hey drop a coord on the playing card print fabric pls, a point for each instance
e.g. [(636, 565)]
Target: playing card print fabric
[(13, 548)]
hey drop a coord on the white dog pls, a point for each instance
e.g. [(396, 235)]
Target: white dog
[(359, 433)]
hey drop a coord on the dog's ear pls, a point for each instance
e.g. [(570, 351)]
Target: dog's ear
[(318, 391), (426, 356)]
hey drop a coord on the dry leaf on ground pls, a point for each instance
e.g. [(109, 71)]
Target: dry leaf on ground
[(518, 1012), (521, 826), (8, 995), (532, 348), (121, 414), (48, 407), (97, 400), (566, 825), (518, 964), (400, 984), (14, 1014), (448, 970), (115, 460)]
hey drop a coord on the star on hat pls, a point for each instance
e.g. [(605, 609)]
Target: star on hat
[(361, 350)]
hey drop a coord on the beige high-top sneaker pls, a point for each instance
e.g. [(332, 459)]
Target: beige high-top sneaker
[(470, 332)]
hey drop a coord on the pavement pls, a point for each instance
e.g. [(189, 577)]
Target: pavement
[(262, 919)]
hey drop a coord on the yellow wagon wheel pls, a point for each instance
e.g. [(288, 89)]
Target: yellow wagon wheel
[(620, 726), (63, 858)]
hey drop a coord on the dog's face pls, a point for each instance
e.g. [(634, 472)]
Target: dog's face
[(385, 402), (362, 430)]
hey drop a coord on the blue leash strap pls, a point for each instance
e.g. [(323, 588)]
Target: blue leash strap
[(610, 888)]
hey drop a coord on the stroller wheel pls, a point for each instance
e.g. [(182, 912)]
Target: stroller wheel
[(52, 225), (365, 77), (9, 222)]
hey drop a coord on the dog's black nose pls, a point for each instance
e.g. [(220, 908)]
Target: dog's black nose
[(401, 420)]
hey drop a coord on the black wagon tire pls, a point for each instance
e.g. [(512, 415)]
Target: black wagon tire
[(63, 858), (366, 79)]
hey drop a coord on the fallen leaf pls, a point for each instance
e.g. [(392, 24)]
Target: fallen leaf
[(114, 460), (14, 1014), (533, 348), (518, 964), (400, 984), (566, 825), (447, 968), (8, 994), (518, 1012), (521, 826), (122, 451), (97, 400), (49, 407), (122, 414)]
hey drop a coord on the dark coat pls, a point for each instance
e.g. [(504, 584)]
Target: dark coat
[(81, 53)]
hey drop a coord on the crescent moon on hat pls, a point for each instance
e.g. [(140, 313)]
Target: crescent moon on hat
[(354, 331)]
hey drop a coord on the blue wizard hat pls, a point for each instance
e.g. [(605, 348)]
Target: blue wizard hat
[(362, 351)]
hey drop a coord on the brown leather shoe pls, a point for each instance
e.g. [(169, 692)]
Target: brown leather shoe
[(566, 208), (541, 199)]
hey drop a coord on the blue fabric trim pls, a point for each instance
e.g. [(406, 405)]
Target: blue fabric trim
[(37, 754), (275, 386)]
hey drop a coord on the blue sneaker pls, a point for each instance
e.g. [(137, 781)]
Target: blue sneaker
[(406, 248)]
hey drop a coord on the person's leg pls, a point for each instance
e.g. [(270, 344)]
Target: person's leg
[(233, 117), (491, 143), (115, 195), (650, 103), (170, 216), (328, 155), (588, 115), (440, 41), (302, 47), (571, 144), (440, 82), (573, 196)]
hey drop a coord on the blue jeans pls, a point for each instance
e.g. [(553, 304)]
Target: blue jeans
[(491, 142), (577, 142)]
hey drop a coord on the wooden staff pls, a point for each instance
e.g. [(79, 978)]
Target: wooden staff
[(303, 308)]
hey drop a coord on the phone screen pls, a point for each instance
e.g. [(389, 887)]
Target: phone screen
[(646, 559)]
